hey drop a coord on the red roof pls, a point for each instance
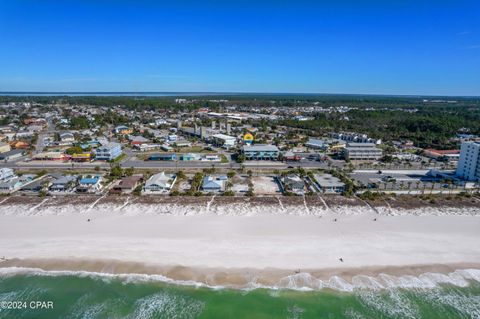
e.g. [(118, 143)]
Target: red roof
[(443, 152)]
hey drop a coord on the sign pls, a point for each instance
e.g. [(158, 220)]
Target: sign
[(248, 138)]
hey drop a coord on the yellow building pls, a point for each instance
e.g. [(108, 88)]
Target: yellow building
[(82, 157)]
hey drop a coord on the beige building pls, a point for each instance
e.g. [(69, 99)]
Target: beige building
[(4, 147)]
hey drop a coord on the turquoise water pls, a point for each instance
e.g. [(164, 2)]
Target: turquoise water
[(94, 296)]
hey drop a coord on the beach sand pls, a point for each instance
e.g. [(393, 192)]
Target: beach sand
[(263, 247)]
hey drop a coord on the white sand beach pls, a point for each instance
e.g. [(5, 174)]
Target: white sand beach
[(268, 239)]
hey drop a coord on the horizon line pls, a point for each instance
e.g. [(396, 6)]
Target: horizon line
[(220, 93)]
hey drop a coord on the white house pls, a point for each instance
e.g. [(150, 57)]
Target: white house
[(6, 174), (160, 182)]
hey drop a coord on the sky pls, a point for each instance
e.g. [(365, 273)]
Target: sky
[(411, 47)]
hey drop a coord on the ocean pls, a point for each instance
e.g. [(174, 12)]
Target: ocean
[(43, 294)]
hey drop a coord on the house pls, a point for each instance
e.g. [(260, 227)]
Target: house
[(6, 174), (24, 134), (214, 184), (63, 183), (89, 184), (66, 137), (160, 182), (362, 152), (293, 183), (13, 154), (329, 184), (36, 186), (122, 129), (4, 147), (163, 157), (15, 183), (260, 152), (127, 184), (19, 145), (108, 152)]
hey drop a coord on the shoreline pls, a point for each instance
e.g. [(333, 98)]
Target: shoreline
[(340, 279), (309, 243)]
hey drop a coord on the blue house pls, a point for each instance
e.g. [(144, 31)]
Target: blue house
[(108, 152), (162, 157), (214, 184)]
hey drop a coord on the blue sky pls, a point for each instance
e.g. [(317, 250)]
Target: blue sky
[(343, 46)]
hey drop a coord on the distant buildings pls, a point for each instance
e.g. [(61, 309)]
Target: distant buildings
[(450, 155), (108, 152), (122, 129), (4, 147), (354, 137), (260, 152), (469, 163), (362, 152), (224, 140)]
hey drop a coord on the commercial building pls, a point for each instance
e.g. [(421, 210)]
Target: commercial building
[(469, 164), (260, 152), (450, 155), (163, 157), (223, 140), (108, 152), (362, 152), (51, 156), (317, 144)]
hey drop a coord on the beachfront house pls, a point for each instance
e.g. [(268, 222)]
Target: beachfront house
[(293, 183), (108, 152), (15, 183), (6, 174), (63, 184), (329, 184), (159, 183), (89, 184), (127, 185), (214, 184)]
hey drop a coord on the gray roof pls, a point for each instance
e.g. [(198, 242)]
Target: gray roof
[(260, 148), (327, 180)]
